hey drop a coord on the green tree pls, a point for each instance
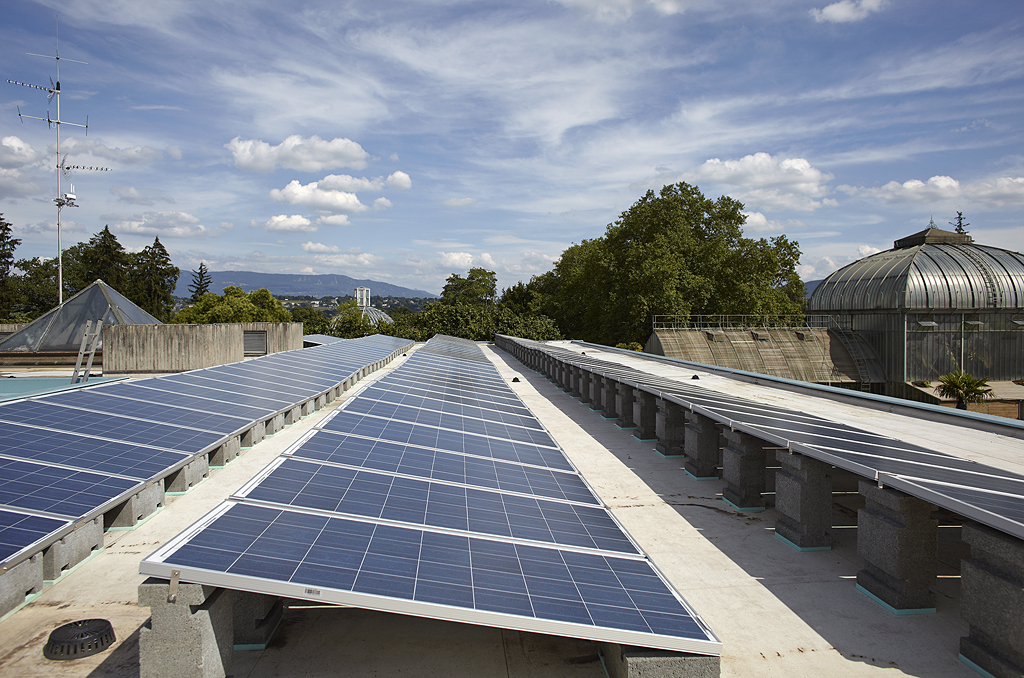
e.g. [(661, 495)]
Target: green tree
[(479, 287), (8, 244), (200, 284), (350, 323), (517, 299), (671, 253), (36, 288), (102, 258), (963, 387), (152, 279), (235, 306), (314, 321)]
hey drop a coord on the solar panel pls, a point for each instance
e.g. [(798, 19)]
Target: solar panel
[(990, 495), (21, 533), (56, 490), (409, 505)]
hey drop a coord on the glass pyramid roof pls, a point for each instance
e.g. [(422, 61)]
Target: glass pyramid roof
[(62, 328)]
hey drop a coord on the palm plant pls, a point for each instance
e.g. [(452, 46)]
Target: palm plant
[(964, 387)]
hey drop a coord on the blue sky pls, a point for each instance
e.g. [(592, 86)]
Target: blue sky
[(407, 140)]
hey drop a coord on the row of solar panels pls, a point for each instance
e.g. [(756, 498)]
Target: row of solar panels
[(435, 492), (73, 455), (990, 495)]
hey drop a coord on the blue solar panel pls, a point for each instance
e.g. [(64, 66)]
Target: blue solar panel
[(396, 385), (43, 413), (82, 452), (453, 422), (151, 391), (454, 441), (293, 482), (19, 531), (421, 571), (437, 465), (111, 402), (61, 491), (468, 407)]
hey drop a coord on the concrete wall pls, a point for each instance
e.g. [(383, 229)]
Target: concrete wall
[(280, 336), (141, 349)]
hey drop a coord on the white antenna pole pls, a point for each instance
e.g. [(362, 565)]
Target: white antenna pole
[(61, 200)]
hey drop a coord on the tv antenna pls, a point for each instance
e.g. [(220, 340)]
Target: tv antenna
[(63, 169)]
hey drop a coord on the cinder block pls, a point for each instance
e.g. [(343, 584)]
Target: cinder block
[(293, 416), (992, 601), (226, 453), (897, 537), (72, 548), (188, 476), (609, 399), (20, 582), (670, 428), (645, 414), (638, 662), (586, 377), (254, 435), (743, 471), (273, 425), (256, 618), (624, 405), (140, 505), (803, 495), (191, 637), (702, 446)]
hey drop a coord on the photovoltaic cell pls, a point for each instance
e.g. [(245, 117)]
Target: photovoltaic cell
[(19, 531), (51, 489)]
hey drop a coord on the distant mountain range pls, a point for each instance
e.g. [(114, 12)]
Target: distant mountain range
[(286, 284)]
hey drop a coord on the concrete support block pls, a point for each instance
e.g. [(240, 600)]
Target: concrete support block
[(188, 476), (329, 397), (319, 402), (226, 453), (702, 448), (586, 378), (624, 661), (609, 398), (20, 583), (596, 392), (670, 428), (803, 495), (140, 505), (256, 617), (897, 537), (254, 435), (274, 424), (307, 408), (645, 414), (71, 549), (624, 401), (293, 416), (743, 471), (992, 602), (575, 377), (192, 637)]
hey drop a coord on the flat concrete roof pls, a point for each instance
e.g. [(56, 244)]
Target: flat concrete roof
[(777, 611)]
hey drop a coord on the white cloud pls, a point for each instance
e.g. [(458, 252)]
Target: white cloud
[(381, 204), (133, 196), (174, 152), (133, 155), (314, 197), (767, 182), (458, 202), (847, 10), (353, 257), (399, 180), (466, 260), (319, 248), (998, 191), (759, 223), (334, 220), (283, 223), (13, 184), (164, 224), (311, 154), (343, 182), (15, 153), (614, 11), (51, 227)]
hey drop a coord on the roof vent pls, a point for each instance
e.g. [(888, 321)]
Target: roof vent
[(79, 639), (933, 236)]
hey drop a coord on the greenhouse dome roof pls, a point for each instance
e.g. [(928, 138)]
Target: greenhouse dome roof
[(932, 269)]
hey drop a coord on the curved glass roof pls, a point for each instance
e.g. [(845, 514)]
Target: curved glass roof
[(375, 314), (928, 270)]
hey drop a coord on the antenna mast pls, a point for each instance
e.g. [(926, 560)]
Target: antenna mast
[(63, 199)]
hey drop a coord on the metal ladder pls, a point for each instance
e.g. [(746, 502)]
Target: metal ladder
[(992, 288), (89, 341)]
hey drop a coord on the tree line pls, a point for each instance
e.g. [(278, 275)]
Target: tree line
[(28, 287), (674, 252)]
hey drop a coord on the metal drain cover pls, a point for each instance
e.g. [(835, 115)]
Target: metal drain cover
[(79, 639)]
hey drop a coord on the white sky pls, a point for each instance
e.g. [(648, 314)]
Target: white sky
[(408, 140)]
